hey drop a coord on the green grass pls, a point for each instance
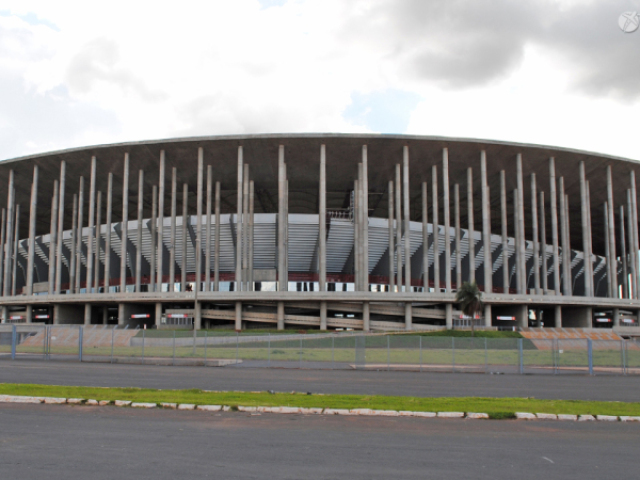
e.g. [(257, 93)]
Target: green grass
[(495, 407)]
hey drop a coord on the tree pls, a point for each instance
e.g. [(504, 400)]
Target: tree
[(469, 299)]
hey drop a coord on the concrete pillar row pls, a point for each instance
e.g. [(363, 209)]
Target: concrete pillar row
[(160, 226), (216, 253), (425, 236), (554, 225), (536, 243), (458, 239), (408, 320), (107, 255), (471, 226), (63, 169), (53, 235), (436, 230), (207, 250), (78, 246), (505, 243), (391, 245), (139, 232), (172, 251), (322, 234)]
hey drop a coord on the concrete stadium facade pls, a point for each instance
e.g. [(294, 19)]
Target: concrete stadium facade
[(380, 231)]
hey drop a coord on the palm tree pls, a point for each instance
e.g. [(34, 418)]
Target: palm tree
[(469, 298)]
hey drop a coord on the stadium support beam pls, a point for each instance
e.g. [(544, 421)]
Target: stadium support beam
[(564, 239), (636, 246), (15, 252), (32, 234), (172, 251), (456, 199), (398, 205), (536, 243), (522, 266), (632, 253), (516, 231), (207, 252), (90, 249), (239, 216), (554, 225), (63, 170), (153, 227), (2, 249), (322, 234), (365, 220), (74, 239), (612, 234), (471, 227), (124, 236), (78, 245), (623, 256), (543, 236), (53, 232), (590, 238), (139, 232), (245, 228), (216, 240), (436, 230), (251, 237), (160, 228), (107, 249), (185, 221), (607, 250), (584, 221), (505, 242), (425, 237), (486, 234), (197, 317), (356, 232), (391, 246), (407, 236), (447, 219), (96, 281)]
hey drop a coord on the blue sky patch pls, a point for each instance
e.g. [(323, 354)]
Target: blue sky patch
[(385, 111)]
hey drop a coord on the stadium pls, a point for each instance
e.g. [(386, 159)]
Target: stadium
[(326, 231)]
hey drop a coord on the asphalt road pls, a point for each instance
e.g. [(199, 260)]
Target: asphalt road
[(65, 442), (576, 387)]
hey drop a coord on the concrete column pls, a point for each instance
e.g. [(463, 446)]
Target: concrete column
[(486, 225), (216, 252), (322, 235), (456, 199), (251, 243), (391, 246), (584, 217), (634, 204), (105, 315), (436, 229), (522, 316), (505, 239), (632, 255), (471, 227), (616, 317), (607, 250), (365, 317), (282, 261), (96, 280), (543, 236), (612, 234), (78, 245), (398, 205), (425, 237), (566, 248), (365, 220), (90, 238), (87, 313), (408, 316), (185, 221), (199, 221), (160, 228), (521, 246), (32, 233), (139, 232), (447, 220), (63, 165), (407, 219), (557, 315), (357, 261), (239, 218), (238, 323), (207, 253), (172, 251), (590, 237), (623, 255), (14, 264), (154, 223), (158, 314), (125, 227), (516, 213), (197, 315), (286, 231), (280, 315), (245, 228), (53, 235), (74, 240), (107, 250), (554, 225), (536, 244), (2, 249)]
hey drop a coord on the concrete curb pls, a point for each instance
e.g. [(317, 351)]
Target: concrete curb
[(365, 412)]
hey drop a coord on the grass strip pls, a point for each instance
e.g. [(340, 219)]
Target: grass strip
[(495, 407)]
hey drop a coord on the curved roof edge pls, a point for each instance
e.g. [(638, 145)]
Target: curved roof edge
[(316, 136)]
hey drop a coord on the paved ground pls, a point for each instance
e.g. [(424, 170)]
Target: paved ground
[(580, 387), (64, 442)]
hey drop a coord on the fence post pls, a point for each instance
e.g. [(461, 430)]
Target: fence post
[(333, 343), (44, 343), (520, 359), (205, 348), (420, 337), (486, 357), (81, 331), (143, 332), (623, 351), (174, 348), (590, 354), (13, 342), (453, 354), (300, 354), (388, 351), (269, 350)]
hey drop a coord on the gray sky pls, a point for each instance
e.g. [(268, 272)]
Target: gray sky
[(558, 72)]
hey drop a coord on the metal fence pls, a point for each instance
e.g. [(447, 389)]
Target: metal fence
[(353, 350)]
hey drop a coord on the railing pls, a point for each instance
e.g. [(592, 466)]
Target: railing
[(348, 350)]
